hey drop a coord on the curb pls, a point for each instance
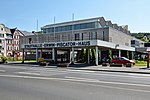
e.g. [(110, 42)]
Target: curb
[(112, 71)]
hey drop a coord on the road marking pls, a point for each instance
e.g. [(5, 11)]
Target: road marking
[(147, 75), (95, 80), (13, 67), (2, 70), (28, 73), (133, 75), (81, 71), (84, 80)]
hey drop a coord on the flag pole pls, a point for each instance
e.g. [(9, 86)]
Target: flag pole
[(54, 29), (72, 26)]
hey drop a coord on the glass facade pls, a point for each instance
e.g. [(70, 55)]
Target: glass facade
[(70, 27)]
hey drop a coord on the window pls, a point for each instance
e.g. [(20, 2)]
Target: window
[(1, 35), (103, 36), (92, 35), (82, 36), (30, 40), (7, 47), (77, 37)]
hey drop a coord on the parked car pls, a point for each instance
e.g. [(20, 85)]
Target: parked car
[(122, 60)]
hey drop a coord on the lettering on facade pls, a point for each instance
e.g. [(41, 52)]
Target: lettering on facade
[(33, 46), (59, 44)]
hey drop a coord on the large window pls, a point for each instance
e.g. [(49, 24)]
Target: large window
[(70, 27)]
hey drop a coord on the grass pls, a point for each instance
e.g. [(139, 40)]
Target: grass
[(140, 63), (24, 61), (145, 64)]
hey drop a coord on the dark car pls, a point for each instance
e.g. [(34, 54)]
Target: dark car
[(122, 60)]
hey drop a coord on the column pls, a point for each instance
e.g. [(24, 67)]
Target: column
[(100, 57), (88, 52), (132, 52), (72, 56), (68, 56), (119, 53), (128, 54), (96, 56), (41, 53), (36, 55), (53, 54), (110, 53), (23, 56)]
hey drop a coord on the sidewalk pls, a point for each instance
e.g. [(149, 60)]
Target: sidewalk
[(134, 69)]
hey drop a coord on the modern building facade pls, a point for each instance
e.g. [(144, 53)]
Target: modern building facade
[(64, 41)]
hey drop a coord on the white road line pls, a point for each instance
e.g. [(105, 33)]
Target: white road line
[(82, 79), (2, 70), (81, 71), (22, 67), (28, 73), (129, 75), (95, 80), (147, 75), (85, 80), (71, 71)]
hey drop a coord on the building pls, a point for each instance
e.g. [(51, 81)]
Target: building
[(64, 41), (5, 40), (9, 41)]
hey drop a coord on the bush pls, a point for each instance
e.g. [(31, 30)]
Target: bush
[(4, 59), (19, 58), (40, 60)]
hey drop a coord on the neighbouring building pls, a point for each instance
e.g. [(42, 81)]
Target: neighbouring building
[(65, 41), (9, 41)]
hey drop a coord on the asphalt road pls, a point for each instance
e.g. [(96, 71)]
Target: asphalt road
[(37, 83)]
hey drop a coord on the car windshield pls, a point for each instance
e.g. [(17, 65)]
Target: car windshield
[(125, 58)]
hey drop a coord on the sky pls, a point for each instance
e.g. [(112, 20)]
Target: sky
[(24, 14)]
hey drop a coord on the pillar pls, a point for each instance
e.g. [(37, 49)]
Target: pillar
[(72, 56), (119, 53), (23, 56), (88, 55), (68, 56), (96, 56), (53, 54), (128, 54), (132, 52), (110, 53), (36, 55), (100, 57), (41, 53)]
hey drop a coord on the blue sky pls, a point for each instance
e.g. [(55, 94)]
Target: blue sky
[(23, 14)]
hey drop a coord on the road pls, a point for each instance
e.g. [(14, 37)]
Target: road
[(37, 83)]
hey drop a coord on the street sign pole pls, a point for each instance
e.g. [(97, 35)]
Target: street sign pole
[(148, 51), (148, 60)]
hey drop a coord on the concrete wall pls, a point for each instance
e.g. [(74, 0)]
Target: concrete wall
[(119, 37)]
